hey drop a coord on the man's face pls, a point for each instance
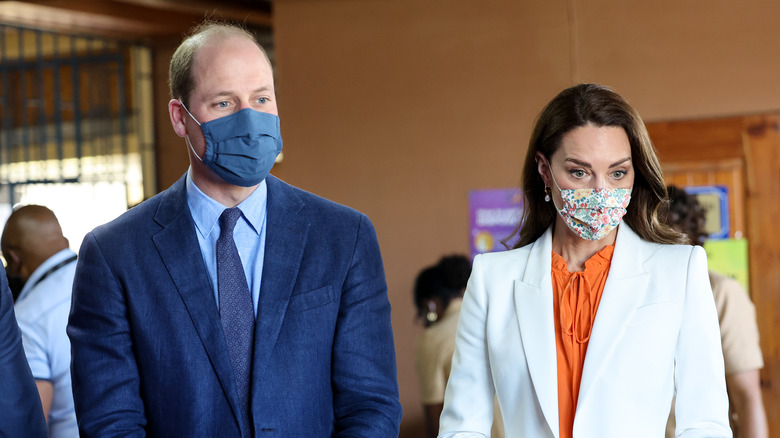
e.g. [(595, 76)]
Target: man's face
[(229, 75)]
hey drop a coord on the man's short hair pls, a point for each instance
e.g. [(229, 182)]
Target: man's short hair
[(180, 78)]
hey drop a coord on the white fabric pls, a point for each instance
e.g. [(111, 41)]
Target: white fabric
[(42, 314), (656, 329)]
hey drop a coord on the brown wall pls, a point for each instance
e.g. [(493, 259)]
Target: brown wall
[(399, 108), (682, 59)]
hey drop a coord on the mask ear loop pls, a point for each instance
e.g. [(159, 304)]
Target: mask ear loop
[(188, 111), (548, 192), (187, 137)]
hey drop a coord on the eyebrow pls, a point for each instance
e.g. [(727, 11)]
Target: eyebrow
[(230, 93), (588, 165)]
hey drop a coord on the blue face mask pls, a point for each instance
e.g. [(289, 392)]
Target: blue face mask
[(241, 148)]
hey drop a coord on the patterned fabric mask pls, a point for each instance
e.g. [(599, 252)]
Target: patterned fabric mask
[(593, 213)]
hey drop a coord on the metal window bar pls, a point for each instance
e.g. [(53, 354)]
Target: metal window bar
[(5, 140), (48, 136)]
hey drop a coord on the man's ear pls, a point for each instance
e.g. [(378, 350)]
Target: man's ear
[(178, 117), (11, 257)]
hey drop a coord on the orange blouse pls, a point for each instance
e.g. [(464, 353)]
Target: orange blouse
[(577, 296)]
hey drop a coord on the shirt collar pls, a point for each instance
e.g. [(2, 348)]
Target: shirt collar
[(52, 261), (206, 211)]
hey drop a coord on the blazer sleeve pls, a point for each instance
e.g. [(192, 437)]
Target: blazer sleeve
[(468, 399), (21, 413), (104, 371), (701, 408), (365, 384)]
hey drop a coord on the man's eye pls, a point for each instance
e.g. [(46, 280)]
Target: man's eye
[(262, 100), (223, 104)]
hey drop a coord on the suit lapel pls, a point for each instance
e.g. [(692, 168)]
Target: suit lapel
[(534, 307), (286, 231), (178, 247), (624, 290)]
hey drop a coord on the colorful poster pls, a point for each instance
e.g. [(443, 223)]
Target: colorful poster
[(494, 215), (715, 200), (730, 258)]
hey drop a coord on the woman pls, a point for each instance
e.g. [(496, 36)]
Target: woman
[(742, 356), (595, 271), (438, 292)]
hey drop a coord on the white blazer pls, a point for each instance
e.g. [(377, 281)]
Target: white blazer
[(656, 332)]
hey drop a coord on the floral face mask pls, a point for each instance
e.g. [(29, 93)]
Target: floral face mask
[(593, 213)]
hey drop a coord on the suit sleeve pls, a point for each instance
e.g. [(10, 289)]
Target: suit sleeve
[(104, 370), (21, 413), (702, 405), (365, 385), (468, 399)]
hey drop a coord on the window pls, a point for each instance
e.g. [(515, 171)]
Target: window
[(76, 128)]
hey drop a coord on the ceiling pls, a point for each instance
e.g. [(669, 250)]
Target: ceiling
[(132, 19)]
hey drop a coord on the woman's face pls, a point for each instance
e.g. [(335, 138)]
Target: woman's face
[(589, 157)]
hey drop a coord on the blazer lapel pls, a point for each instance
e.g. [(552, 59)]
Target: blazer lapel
[(286, 231), (178, 247), (624, 290), (534, 307)]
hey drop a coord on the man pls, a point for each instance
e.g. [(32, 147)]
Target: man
[(738, 329), (37, 253), (20, 406), (162, 343)]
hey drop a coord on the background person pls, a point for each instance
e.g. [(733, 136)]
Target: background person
[(594, 271), (738, 328), (232, 304), (438, 293), (38, 254)]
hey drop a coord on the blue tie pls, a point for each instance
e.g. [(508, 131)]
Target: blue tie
[(235, 309)]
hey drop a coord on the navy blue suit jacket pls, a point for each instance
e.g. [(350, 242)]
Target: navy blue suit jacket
[(149, 353), (21, 414)]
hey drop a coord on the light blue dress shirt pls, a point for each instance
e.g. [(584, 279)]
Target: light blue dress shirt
[(42, 311), (249, 234)]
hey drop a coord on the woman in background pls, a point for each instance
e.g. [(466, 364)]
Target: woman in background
[(595, 271), (738, 328), (438, 293)]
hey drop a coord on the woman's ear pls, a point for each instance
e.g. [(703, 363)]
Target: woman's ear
[(543, 166)]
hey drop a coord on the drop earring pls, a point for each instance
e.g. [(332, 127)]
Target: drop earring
[(547, 194), (432, 316)]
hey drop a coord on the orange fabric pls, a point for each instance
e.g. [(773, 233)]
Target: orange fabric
[(576, 299)]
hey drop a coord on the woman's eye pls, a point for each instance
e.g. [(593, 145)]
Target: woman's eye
[(618, 174), (578, 173)]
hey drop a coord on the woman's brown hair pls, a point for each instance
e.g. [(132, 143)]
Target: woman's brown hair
[(600, 106)]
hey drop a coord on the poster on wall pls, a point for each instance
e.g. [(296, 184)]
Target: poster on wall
[(493, 216), (724, 255), (715, 200), (730, 258)]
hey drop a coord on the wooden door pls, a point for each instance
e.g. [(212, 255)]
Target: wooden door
[(728, 173), (742, 154)]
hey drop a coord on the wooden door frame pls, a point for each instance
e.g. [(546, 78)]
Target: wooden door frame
[(755, 140)]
